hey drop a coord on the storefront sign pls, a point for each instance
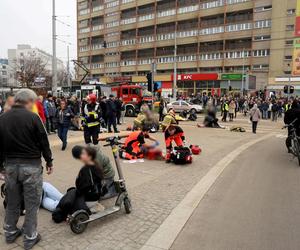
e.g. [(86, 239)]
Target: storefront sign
[(197, 77), (232, 77), (297, 26), (296, 58)]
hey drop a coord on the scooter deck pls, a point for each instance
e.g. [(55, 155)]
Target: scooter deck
[(104, 213)]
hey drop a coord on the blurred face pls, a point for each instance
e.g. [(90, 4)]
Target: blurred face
[(10, 101), (63, 104), (85, 158)]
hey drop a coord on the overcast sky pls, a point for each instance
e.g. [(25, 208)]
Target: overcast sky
[(29, 22)]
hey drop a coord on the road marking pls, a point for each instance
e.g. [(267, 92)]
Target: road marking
[(165, 235)]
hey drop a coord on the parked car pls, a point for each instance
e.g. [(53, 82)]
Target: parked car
[(180, 106)]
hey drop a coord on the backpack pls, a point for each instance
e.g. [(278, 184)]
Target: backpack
[(181, 155)]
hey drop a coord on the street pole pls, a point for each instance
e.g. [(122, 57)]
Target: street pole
[(243, 72), (54, 61), (174, 89), (153, 71), (68, 68)]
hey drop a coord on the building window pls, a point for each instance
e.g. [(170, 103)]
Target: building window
[(289, 42), (261, 52), (260, 67), (263, 8), (290, 27), (288, 57), (291, 12), (262, 38), (262, 24)]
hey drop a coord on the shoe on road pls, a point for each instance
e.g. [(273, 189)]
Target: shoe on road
[(29, 244), (12, 238)]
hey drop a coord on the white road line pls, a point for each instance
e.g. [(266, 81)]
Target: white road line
[(165, 235)]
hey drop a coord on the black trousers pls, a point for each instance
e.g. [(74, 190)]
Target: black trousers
[(112, 121), (91, 134), (254, 126), (50, 124)]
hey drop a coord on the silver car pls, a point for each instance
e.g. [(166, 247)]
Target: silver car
[(180, 106)]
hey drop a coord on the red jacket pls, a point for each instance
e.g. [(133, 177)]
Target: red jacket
[(41, 112)]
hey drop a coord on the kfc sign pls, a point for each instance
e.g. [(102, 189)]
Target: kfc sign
[(197, 77)]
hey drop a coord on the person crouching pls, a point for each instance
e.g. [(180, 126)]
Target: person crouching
[(135, 145)]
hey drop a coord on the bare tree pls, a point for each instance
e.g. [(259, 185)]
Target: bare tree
[(28, 69)]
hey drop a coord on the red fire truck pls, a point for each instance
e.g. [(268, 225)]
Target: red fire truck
[(133, 96)]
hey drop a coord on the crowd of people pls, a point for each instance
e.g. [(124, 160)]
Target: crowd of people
[(26, 120)]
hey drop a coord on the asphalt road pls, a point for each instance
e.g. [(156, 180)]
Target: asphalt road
[(254, 204)]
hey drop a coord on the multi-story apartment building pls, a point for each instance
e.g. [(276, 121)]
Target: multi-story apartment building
[(4, 74), (24, 52), (124, 37)]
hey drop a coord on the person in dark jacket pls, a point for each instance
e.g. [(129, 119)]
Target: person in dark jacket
[(291, 115), (50, 112), (64, 115), (23, 141), (119, 105), (111, 111)]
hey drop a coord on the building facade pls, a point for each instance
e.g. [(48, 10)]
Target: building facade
[(4, 74), (25, 53), (245, 37)]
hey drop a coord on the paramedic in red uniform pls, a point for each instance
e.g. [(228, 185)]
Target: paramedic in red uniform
[(172, 133), (135, 145)]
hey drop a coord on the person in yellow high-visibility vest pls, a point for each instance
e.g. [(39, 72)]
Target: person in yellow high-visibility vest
[(91, 115), (225, 109)]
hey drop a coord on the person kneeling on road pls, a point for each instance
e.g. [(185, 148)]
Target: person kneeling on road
[(135, 145), (108, 170), (172, 133)]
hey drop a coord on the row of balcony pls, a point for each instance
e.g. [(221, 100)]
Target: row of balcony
[(186, 58), (170, 12)]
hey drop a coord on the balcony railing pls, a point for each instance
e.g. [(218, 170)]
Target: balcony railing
[(146, 17), (144, 61), (128, 42), (237, 54), (127, 1), (84, 30), (98, 8), (188, 9), (187, 33), (97, 65), (165, 13), (187, 58), (97, 27), (165, 59), (212, 4), (210, 31), (84, 12), (84, 48), (128, 20), (238, 27), (146, 39), (166, 36), (128, 63), (97, 46), (211, 56)]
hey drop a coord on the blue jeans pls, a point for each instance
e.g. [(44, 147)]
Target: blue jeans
[(62, 132), (51, 197)]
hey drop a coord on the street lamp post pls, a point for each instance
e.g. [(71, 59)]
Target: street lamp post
[(174, 89), (54, 61)]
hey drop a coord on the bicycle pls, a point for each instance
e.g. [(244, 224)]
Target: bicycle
[(295, 145)]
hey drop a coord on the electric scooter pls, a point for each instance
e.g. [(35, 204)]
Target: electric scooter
[(80, 219)]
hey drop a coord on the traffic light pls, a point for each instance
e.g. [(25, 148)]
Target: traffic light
[(230, 88), (149, 79), (286, 89), (292, 89)]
